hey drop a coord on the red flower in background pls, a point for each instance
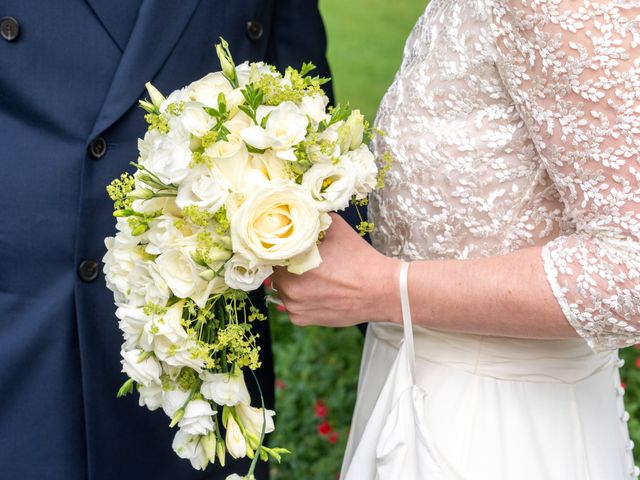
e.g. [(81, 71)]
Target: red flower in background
[(333, 437), (280, 384), (324, 428), (321, 409), (638, 362)]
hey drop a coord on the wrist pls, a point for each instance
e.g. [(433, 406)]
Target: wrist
[(384, 294)]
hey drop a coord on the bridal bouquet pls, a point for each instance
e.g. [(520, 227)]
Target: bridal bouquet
[(236, 174)]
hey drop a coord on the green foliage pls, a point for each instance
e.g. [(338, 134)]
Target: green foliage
[(630, 374), (313, 365)]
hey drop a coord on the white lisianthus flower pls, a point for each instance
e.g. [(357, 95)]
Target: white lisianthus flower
[(315, 107), (197, 418), (148, 143), (235, 476), (174, 400), (286, 126), (163, 234), (352, 131), (278, 222), (191, 447), (251, 72), (204, 188), (174, 97), (236, 443), (146, 285), (252, 419), (240, 274), (133, 280), (331, 186), (150, 396), (366, 171), (167, 205), (224, 388), (141, 366), (170, 158), (193, 119), (132, 322)]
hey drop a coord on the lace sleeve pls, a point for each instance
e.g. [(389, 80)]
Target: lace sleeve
[(572, 68)]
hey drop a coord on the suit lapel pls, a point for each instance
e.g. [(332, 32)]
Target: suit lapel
[(158, 28), (117, 18)]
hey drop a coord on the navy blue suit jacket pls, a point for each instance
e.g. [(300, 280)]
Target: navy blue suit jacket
[(75, 73)]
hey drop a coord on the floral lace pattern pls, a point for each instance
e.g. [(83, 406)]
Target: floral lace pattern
[(516, 123)]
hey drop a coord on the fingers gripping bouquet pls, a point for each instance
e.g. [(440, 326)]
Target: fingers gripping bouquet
[(236, 175)]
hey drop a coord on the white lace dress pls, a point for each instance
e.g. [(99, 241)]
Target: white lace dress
[(514, 123)]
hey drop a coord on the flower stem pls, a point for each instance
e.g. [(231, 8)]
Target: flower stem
[(264, 426)]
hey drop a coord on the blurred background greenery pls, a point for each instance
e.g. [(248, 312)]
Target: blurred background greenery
[(317, 368)]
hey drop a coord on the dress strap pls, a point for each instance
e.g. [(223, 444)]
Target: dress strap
[(406, 318)]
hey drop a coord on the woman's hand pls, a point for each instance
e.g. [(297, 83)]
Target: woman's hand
[(353, 284)]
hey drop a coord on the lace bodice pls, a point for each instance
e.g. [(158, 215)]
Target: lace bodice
[(516, 123)]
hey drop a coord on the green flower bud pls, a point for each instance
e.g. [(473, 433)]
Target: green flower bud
[(226, 62), (156, 97)]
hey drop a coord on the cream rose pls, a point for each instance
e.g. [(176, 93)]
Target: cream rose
[(278, 224)]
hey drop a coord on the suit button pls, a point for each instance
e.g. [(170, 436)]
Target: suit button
[(9, 28), (98, 148), (254, 30), (88, 270)]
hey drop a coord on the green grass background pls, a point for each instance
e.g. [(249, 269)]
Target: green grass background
[(365, 46)]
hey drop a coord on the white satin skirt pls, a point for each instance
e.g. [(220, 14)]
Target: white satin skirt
[(494, 409)]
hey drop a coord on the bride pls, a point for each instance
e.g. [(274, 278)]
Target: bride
[(515, 129)]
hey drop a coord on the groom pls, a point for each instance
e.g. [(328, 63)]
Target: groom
[(72, 72)]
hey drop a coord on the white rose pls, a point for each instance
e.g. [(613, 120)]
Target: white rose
[(276, 224), (315, 107), (252, 419), (366, 171), (182, 275), (240, 274), (352, 131), (204, 188), (331, 186), (150, 396), (144, 372), (236, 443), (193, 119), (285, 128), (234, 169), (208, 88), (191, 447), (197, 418), (171, 157), (233, 143), (174, 400), (132, 322), (224, 388), (271, 167)]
